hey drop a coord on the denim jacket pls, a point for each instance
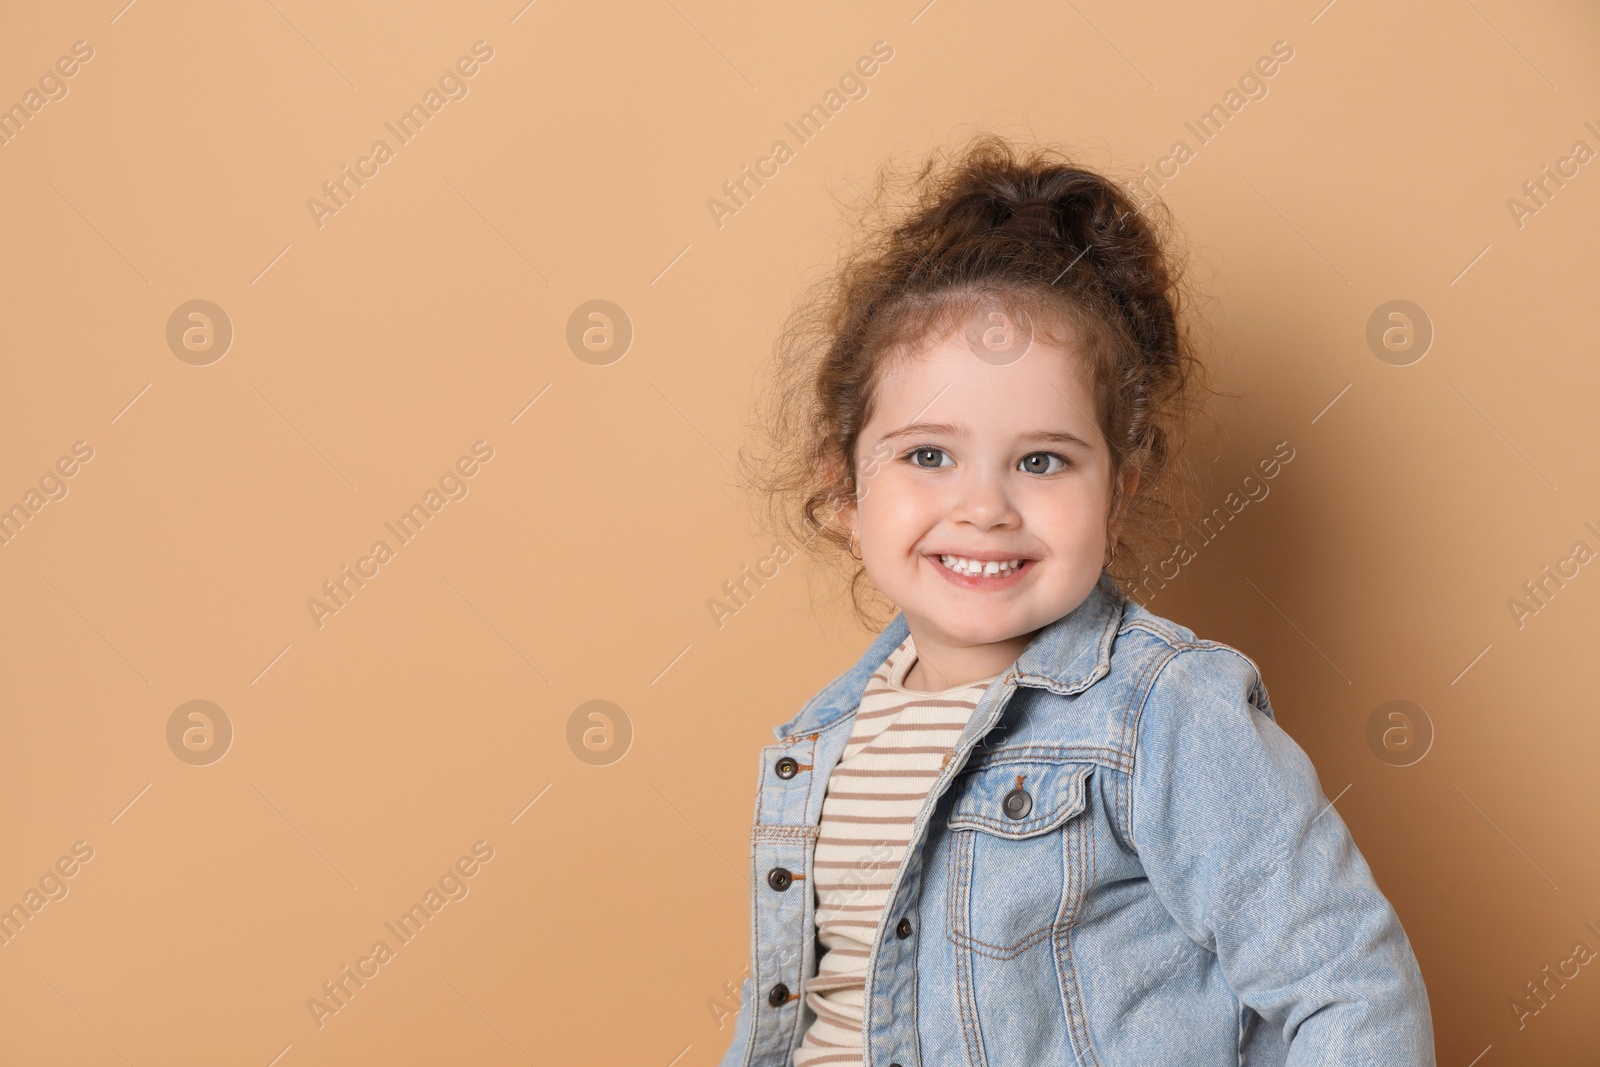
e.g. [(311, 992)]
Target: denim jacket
[(1178, 893)]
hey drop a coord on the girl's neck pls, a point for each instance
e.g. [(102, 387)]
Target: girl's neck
[(940, 666)]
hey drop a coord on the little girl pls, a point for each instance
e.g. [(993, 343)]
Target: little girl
[(1035, 823)]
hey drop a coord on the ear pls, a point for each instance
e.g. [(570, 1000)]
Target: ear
[(844, 511), (847, 514), (1130, 481), (1130, 477)]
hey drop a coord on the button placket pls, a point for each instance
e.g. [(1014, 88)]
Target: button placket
[(783, 831)]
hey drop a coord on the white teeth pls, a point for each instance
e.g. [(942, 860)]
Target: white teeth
[(985, 568)]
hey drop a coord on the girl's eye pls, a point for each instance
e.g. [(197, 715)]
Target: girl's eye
[(916, 455), (1032, 463)]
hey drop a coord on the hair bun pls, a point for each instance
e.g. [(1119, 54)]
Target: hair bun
[(1033, 216)]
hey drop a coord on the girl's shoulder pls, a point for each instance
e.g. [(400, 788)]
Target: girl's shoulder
[(1171, 655), (1112, 651), (840, 697), (1172, 658)]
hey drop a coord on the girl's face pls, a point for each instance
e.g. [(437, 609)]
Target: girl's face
[(983, 465)]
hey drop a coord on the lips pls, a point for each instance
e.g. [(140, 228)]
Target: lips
[(980, 566), (985, 570)]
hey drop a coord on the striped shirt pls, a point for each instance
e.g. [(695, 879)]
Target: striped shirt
[(896, 750)]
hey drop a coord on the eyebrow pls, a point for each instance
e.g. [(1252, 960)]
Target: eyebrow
[(917, 429)]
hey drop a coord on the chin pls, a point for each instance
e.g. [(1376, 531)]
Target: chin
[(983, 628)]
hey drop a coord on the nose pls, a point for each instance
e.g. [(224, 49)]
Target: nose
[(981, 496)]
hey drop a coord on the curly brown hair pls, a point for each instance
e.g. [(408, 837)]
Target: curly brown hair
[(1098, 258)]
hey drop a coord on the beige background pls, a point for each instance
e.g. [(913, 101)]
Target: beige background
[(431, 311)]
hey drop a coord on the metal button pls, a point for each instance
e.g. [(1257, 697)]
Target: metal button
[(786, 767), (779, 878), (902, 929), (779, 995), (1017, 804)]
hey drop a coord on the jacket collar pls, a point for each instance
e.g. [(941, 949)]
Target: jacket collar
[(1066, 657)]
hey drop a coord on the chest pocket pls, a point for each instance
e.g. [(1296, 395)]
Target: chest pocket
[(1019, 855)]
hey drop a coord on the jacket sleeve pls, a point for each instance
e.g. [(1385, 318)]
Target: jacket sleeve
[(735, 1053), (1251, 860)]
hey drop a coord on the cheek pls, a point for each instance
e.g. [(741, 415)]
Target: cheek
[(895, 510), (1074, 517)]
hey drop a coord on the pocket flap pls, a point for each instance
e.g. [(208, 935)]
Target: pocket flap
[(1020, 799)]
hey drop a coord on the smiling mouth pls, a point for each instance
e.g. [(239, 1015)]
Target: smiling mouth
[(977, 568)]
